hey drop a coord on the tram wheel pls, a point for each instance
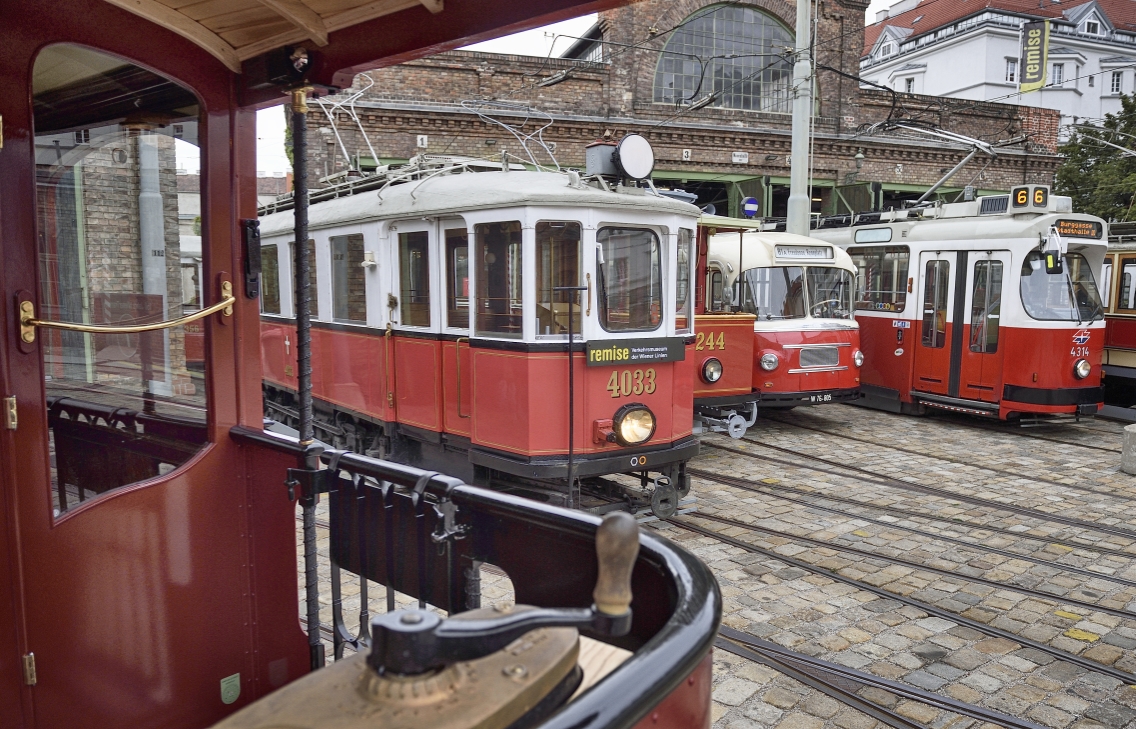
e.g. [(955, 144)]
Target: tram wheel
[(664, 501)]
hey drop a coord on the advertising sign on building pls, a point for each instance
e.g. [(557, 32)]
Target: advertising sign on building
[(1035, 55)]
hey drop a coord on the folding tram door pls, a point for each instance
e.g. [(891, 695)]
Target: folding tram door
[(956, 351)]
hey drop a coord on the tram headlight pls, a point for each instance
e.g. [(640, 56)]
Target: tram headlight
[(769, 362), (634, 424), (711, 370), (1082, 368), (858, 358)]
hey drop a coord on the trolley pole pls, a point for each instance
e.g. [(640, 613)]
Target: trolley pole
[(573, 498), (800, 200), (304, 363)]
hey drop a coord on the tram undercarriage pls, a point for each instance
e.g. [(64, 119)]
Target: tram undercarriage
[(601, 484)]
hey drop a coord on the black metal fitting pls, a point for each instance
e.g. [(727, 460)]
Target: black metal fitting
[(311, 483)]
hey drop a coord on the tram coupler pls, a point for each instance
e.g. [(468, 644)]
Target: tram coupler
[(721, 420)]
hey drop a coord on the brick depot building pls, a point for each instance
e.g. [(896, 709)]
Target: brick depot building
[(713, 97)]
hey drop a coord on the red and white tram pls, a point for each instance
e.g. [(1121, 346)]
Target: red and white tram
[(1119, 298), (795, 294), (987, 307), (441, 327)]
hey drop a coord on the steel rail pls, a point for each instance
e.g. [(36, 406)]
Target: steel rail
[(1076, 660), (738, 483), (764, 488), (838, 677), (1011, 474), (1036, 436), (931, 490), (828, 544), (27, 319)]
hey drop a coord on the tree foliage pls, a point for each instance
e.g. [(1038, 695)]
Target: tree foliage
[(1102, 179)]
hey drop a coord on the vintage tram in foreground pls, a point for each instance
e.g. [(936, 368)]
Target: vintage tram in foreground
[(988, 307), (445, 293), (792, 296), (148, 523)]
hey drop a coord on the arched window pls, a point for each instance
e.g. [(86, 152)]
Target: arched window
[(739, 54)]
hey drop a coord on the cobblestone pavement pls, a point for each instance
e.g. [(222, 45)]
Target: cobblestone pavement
[(805, 609)]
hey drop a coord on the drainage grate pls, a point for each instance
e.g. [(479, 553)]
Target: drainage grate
[(820, 357)]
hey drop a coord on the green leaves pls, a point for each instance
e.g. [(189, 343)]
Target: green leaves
[(1102, 179)]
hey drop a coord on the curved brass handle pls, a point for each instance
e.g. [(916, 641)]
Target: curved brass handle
[(28, 322)]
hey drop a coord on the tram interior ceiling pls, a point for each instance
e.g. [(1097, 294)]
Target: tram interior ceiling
[(110, 138)]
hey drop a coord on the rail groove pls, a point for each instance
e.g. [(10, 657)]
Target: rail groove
[(893, 482), (841, 682), (745, 485), (925, 607)]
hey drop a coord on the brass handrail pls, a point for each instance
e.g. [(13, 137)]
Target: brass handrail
[(28, 322)]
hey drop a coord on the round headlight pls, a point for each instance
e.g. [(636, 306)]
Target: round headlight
[(1082, 368), (769, 362), (858, 358), (634, 424), (711, 370)]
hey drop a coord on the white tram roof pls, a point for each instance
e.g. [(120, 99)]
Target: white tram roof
[(964, 224), (762, 249), (462, 190)]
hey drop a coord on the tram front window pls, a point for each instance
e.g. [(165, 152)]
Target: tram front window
[(557, 264), (1067, 296), (772, 293), (629, 264), (117, 165), (499, 279)]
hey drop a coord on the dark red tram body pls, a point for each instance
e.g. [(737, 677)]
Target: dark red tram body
[(147, 540)]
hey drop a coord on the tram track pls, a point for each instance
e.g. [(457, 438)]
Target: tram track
[(843, 683), (958, 461), (746, 486), (890, 481), (927, 608)]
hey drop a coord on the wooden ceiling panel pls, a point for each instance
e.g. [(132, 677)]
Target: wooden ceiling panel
[(249, 18), (203, 12), (366, 11), (265, 37)]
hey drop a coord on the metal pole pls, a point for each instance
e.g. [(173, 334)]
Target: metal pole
[(572, 500), (947, 176), (800, 201), (304, 364)]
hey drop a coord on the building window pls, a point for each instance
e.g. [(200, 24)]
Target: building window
[(1057, 76), (1117, 82), (1011, 70), (887, 50), (1092, 81), (735, 53), (1092, 27), (909, 85)]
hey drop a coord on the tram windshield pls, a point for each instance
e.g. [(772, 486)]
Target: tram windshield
[(792, 292), (629, 264), (1067, 296)]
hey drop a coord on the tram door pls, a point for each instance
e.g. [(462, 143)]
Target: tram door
[(937, 272), (980, 358)]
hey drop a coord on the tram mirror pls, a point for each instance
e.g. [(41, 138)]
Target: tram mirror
[(118, 210), (1055, 249)]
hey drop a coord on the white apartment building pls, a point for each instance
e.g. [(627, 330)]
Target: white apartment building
[(965, 49)]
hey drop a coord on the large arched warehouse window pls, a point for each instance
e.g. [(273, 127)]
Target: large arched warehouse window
[(740, 54)]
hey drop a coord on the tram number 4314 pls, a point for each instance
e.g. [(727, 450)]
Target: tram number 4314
[(706, 340), (1079, 352), (623, 383)]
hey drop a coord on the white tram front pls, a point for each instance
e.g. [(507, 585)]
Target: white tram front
[(988, 307)]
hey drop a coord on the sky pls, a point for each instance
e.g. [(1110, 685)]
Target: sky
[(537, 42)]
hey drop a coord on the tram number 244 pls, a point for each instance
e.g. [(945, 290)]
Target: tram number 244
[(623, 383), (707, 341)]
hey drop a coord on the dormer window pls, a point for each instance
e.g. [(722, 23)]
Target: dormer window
[(886, 49), (1092, 27)]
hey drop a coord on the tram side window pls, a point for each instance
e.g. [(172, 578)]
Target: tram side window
[(1106, 284), (557, 264), (716, 290), (348, 279), (1125, 300), (457, 279), (270, 279), (985, 306), (683, 281), (881, 279), (935, 304), (313, 289), (629, 266), (122, 407), (499, 292), (414, 278)]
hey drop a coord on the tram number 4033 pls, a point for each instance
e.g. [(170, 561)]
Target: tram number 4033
[(623, 383), (706, 340)]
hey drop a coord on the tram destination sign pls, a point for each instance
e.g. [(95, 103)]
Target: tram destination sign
[(606, 353), (1079, 229), (811, 252)]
